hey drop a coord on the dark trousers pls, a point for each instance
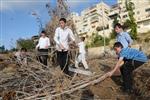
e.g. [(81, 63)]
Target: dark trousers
[(43, 55), (62, 59), (126, 72)]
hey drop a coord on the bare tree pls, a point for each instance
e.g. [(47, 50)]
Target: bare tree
[(60, 10)]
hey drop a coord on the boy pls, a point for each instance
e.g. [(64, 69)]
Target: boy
[(62, 36), (82, 54), (122, 37), (22, 55), (42, 46), (132, 59)]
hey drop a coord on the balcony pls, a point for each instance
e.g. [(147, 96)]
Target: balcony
[(94, 19), (93, 14), (93, 11), (85, 25)]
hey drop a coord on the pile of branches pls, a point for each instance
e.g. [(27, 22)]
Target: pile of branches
[(142, 80), (36, 81)]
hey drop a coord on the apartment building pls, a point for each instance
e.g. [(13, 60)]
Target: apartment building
[(141, 13), (77, 20), (101, 15), (91, 18)]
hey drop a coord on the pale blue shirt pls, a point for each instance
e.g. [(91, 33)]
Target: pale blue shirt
[(133, 54), (125, 39)]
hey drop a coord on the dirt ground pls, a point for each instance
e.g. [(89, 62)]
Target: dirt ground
[(109, 89)]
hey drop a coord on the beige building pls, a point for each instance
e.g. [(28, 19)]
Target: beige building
[(101, 15), (77, 20), (91, 18), (141, 13)]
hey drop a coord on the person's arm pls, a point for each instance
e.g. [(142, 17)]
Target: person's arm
[(128, 38), (118, 65), (48, 42), (56, 37)]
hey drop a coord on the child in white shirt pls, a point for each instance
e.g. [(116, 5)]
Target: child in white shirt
[(42, 46), (21, 55), (82, 54)]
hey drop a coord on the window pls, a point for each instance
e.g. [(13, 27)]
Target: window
[(85, 25), (138, 12), (95, 18), (85, 21), (93, 26), (146, 23), (139, 18), (76, 21), (124, 16), (147, 10), (93, 11), (106, 12)]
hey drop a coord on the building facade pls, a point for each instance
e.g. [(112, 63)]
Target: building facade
[(101, 17)]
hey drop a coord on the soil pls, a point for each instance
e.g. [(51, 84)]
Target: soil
[(109, 89)]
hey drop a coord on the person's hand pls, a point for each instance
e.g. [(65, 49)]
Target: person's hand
[(46, 47), (71, 42), (62, 47)]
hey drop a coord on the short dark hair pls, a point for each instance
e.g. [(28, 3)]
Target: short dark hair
[(82, 38), (63, 19), (24, 49), (43, 32), (118, 25), (118, 44)]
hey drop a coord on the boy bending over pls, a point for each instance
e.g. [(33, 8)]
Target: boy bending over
[(132, 59)]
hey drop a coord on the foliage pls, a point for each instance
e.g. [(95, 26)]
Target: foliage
[(13, 49), (2, 48), (97, 40), (113, 34), (131, 21), (25, 43), (55, 12)]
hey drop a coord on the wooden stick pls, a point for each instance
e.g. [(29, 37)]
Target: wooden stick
[(70, 90), (82, 86)]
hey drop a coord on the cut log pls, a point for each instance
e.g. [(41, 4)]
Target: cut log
[(80, 71)]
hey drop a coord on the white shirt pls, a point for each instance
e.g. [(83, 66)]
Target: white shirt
[(18, 55), (62, 36), (43, 43), (81, 46)]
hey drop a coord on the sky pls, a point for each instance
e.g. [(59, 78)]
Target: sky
[(17, 21)]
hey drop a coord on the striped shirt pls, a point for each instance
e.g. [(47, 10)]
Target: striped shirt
[(130, 53)]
